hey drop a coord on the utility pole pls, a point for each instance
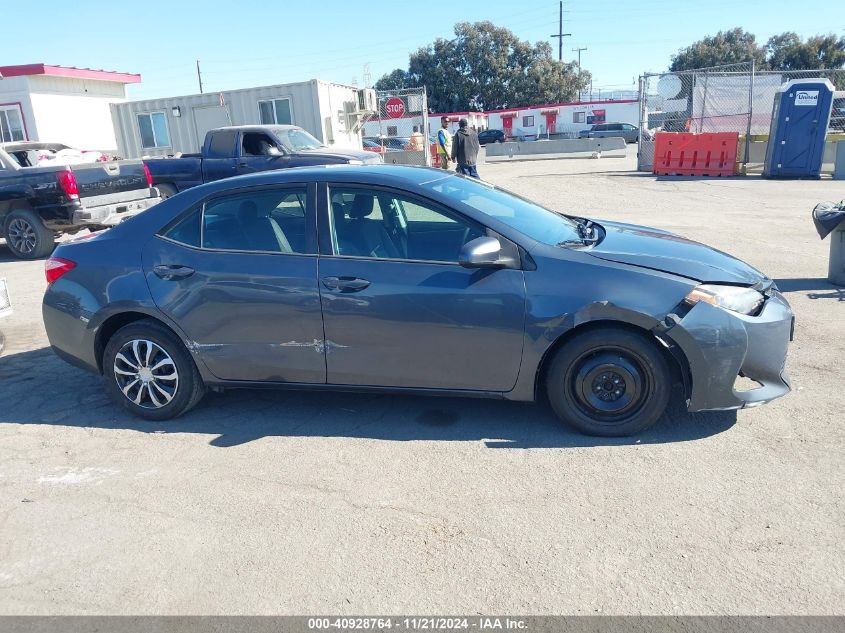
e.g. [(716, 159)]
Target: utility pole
[(199, 75), (578, 50), (560, 35)]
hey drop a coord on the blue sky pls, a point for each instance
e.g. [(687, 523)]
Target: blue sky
[(246, 43)]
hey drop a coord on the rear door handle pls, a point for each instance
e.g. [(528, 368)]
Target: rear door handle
[(345, 284), (172, 272)]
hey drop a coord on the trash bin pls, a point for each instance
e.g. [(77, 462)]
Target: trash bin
[(829, 219)]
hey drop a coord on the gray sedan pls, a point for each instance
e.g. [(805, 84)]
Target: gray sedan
[(393, 278), (626, 131)]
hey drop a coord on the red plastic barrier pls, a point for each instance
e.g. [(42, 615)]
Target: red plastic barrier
[(435, 155), (684, 154)]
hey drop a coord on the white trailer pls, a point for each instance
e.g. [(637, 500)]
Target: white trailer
[(167, 126)]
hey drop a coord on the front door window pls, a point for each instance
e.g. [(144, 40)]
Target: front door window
[(385, 225)]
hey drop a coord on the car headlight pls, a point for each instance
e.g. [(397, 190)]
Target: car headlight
[(734, 298)]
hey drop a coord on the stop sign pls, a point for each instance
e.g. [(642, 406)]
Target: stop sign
[(394, 107)]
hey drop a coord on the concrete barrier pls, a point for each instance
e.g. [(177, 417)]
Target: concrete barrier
[(535, 150), (404, 158), (839, 161)]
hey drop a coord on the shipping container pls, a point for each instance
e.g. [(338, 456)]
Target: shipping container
[(171, 125)]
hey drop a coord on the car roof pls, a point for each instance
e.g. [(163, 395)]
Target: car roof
[(256, 127), (398, 175)]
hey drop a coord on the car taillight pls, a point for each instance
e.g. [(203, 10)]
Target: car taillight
[(55, 267), (67, 181), (148, 175)]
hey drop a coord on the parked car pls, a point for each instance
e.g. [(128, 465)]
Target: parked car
[(491, 136), (238, 150), (390, 143), (398, 278), (374, 146), (39, 203), (617, 130)]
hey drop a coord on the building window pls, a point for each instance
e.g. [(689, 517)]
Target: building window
[(153, 128), (528, 121), (11, 124), (579, 117), (275, 112), (393, 130)]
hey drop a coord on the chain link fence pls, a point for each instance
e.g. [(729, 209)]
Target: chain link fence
[(731, 98), (401, 129)]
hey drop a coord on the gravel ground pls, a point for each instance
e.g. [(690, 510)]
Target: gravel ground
[(292, 503)]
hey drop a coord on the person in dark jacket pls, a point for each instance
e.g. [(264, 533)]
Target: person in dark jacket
[(465, 149)]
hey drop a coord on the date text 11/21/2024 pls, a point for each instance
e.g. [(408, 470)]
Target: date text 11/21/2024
[(417, 623)]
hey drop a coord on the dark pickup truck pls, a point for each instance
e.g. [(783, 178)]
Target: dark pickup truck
[(238, 150), (37, 204)]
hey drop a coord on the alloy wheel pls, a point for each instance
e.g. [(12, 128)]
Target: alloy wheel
[(21, 235), (146, 374)]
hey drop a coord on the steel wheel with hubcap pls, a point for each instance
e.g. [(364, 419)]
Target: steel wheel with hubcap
[(151, 372), (609, 381), (26, 235)]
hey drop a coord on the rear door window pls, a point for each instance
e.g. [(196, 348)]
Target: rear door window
[(267, 221), (222, 145)]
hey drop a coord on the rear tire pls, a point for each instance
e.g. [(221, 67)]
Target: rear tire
[(26, 235), (166, 191), (609, 382), (149, 372)]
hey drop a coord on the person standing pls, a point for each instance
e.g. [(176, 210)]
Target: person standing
[(415, 143), (444, 143), (465, 149)]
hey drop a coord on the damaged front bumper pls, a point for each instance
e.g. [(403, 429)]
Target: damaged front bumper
[(722, 346)]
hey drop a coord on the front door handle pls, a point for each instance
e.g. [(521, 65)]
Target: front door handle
[(173, 272), (345, 284)]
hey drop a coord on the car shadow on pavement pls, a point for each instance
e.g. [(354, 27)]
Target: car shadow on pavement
[(240, 416), (799, 284)]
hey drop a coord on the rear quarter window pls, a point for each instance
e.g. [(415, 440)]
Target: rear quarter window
[(185, 230)]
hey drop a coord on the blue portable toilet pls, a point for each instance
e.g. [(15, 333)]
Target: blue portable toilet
[(799, 123)]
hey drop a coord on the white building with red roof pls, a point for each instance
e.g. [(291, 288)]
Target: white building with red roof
[(61, 104)]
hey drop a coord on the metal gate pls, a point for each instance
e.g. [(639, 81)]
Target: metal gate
[(715, 99), (403, 132), (732, 98)]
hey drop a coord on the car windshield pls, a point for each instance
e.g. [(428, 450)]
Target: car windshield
[(295, 140), (522, 215)]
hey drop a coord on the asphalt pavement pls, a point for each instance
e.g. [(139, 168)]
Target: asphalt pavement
[(262, 502)]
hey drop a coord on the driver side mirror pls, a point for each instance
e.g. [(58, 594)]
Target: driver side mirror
[(482, 252), (274, 151)]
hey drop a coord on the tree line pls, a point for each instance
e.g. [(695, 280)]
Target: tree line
[(783, 52), (487, 67)]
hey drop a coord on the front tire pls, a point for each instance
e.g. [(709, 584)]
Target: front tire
[(609, 382), (149, 372), (26, 235)]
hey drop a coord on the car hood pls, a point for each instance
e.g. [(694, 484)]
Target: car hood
[(667, 252), (347, 154)]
